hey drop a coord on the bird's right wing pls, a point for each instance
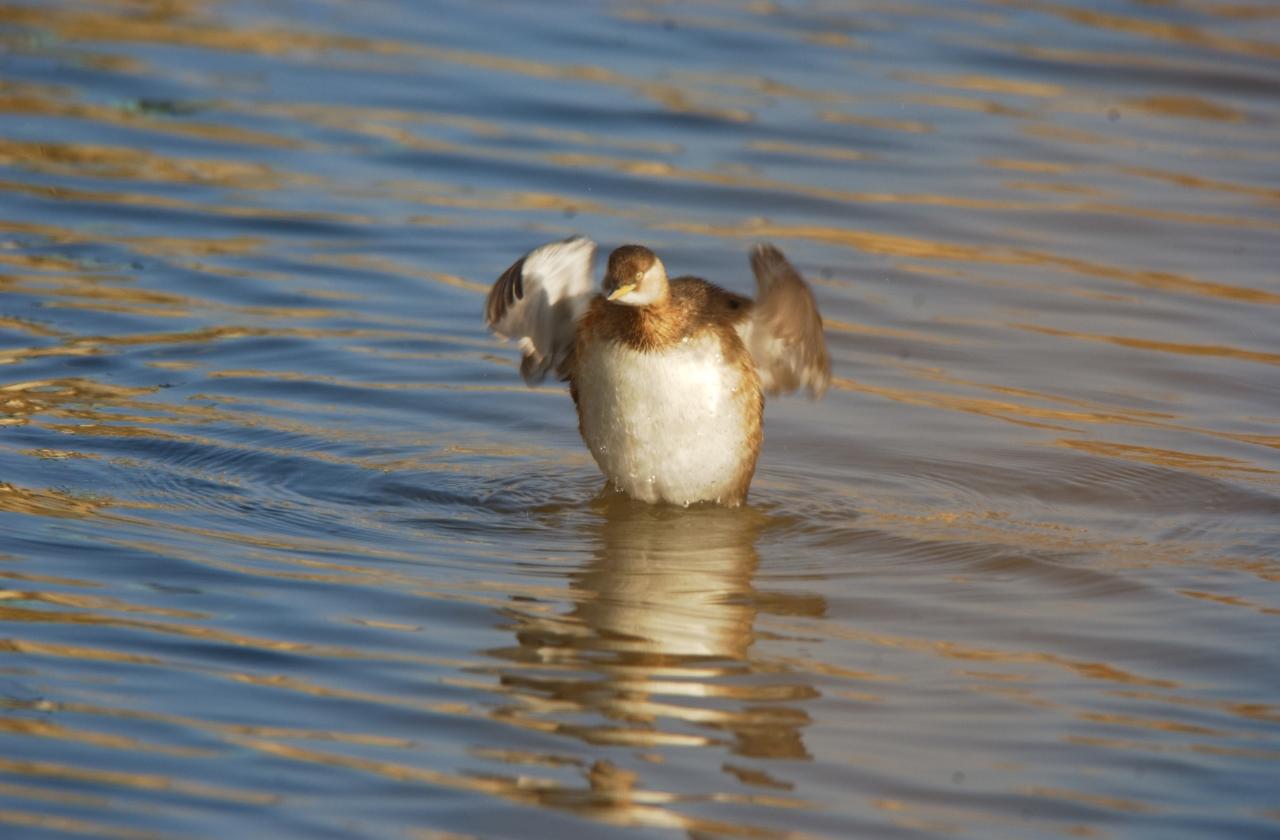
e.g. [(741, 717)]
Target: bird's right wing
[(539, 299)]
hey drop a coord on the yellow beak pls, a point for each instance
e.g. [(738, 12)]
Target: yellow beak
[(622, 290)]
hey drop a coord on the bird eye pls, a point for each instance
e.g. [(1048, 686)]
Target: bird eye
[(639, 276)]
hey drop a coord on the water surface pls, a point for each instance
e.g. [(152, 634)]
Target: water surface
[(288, 549)]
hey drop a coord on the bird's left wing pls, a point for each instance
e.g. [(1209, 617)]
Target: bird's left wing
[(539, 299), (784, 330)]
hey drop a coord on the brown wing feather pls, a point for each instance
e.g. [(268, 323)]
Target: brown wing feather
[(784, 333), (508, 289)]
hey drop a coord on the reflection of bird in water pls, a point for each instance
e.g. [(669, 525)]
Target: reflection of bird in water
[(664, 612), (670, 585), (668, 376), (655, 655)]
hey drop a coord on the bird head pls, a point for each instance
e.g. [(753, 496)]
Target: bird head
[(635, 277)]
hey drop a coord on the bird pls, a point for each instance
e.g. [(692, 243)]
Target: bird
[(668, 375)]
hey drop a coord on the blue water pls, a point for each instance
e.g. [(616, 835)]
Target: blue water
[(287, 548)]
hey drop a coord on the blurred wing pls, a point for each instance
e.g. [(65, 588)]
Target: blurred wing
[(539, 300), (784, 332)]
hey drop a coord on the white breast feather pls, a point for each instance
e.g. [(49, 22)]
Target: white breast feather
[(669, 425)]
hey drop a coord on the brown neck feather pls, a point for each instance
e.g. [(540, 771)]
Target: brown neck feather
[(651, 327)]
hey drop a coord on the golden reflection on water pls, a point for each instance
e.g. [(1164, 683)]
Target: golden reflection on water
[(1040, 417), (1178, 459), (989, 84), (167, 202), (1156, 30), (1159, 346), (1186, 106), (142, 781), (116, 162), (48, 729), (16, 98), (49, 822)]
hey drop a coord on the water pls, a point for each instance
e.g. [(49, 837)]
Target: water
[(288, 549)]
